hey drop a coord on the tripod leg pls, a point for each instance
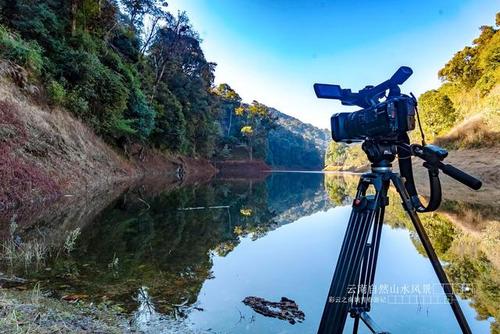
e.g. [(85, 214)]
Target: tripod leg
[(443, 279), (367, 273), (356, 325), (347, 271)]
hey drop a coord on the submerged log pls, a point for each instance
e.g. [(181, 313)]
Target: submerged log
[(285, 309)]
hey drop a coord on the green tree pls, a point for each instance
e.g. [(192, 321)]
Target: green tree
[(256, 125), (462, 68), (136, 9), (465, 68), (335, 154), (142, 114), (229, 102), (170, 130), (437, 112)]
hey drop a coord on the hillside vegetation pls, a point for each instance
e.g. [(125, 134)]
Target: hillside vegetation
[(295, 144), (463, 113), (257, 131), (135, 73)]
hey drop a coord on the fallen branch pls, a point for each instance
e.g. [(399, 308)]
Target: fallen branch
[(11, 281), (204, 208)]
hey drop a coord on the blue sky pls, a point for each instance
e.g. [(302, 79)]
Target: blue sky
[(273, 51)]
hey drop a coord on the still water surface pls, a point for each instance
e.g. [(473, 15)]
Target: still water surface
[(183, 260)]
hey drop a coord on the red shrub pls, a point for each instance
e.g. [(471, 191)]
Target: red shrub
[(22, 183), (12, 129)]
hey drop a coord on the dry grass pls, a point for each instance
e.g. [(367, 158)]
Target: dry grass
[(46, 152), (26, 254), (70, 242), (481, 125), (17, 253), (21, 181), (33, 312), (472, 133)]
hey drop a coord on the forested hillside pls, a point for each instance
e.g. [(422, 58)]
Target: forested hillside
[(293, 143), (463, 113), (132, 70), (137, 75), (257, 131)]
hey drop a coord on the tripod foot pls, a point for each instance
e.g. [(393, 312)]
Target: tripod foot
[(372, 326)]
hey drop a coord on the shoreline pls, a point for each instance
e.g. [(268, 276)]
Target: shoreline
[(46, 153)]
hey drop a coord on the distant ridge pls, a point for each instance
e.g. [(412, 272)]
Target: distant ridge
[(294, 144)]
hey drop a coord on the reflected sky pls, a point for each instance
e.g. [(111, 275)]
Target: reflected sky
[(297, 261)]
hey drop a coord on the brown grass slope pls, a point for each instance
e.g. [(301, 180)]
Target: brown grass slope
[(45, 153)]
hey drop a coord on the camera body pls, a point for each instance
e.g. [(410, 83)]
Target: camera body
[(380, 119), (384, 121)]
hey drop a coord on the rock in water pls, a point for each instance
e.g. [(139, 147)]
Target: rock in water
[(285, 309)]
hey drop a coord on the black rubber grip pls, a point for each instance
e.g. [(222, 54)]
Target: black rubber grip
[(461, 176)]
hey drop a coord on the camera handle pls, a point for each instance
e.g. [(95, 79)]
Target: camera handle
[(433, 157)]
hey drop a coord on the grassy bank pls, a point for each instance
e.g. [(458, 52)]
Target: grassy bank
[(32, 312)]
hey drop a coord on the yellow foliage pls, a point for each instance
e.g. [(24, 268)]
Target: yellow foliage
[(258, 109), (247, 130), (246, 212), (238, 230), (239, 111)]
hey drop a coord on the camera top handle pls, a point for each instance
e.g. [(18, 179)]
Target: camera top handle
[(368, 96)]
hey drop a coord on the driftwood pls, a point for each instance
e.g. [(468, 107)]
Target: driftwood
[(11, 281), (203, 208), (286, 309)]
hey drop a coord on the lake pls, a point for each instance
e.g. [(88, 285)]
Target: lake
[(182, 259)]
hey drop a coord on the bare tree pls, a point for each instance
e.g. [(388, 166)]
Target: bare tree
[(166, 45)]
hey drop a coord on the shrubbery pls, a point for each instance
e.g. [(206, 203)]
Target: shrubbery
[(26, 54), (437, 113), (56, 93)]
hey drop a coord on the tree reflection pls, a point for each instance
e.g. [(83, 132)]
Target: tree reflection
[(166, 241)]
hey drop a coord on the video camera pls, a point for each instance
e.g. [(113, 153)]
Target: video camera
[(382, 126), (379, 119)]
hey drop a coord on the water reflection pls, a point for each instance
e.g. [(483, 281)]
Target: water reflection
[(166, 241), (182, 260)]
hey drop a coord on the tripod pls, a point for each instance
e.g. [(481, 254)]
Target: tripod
[(350, 290)]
